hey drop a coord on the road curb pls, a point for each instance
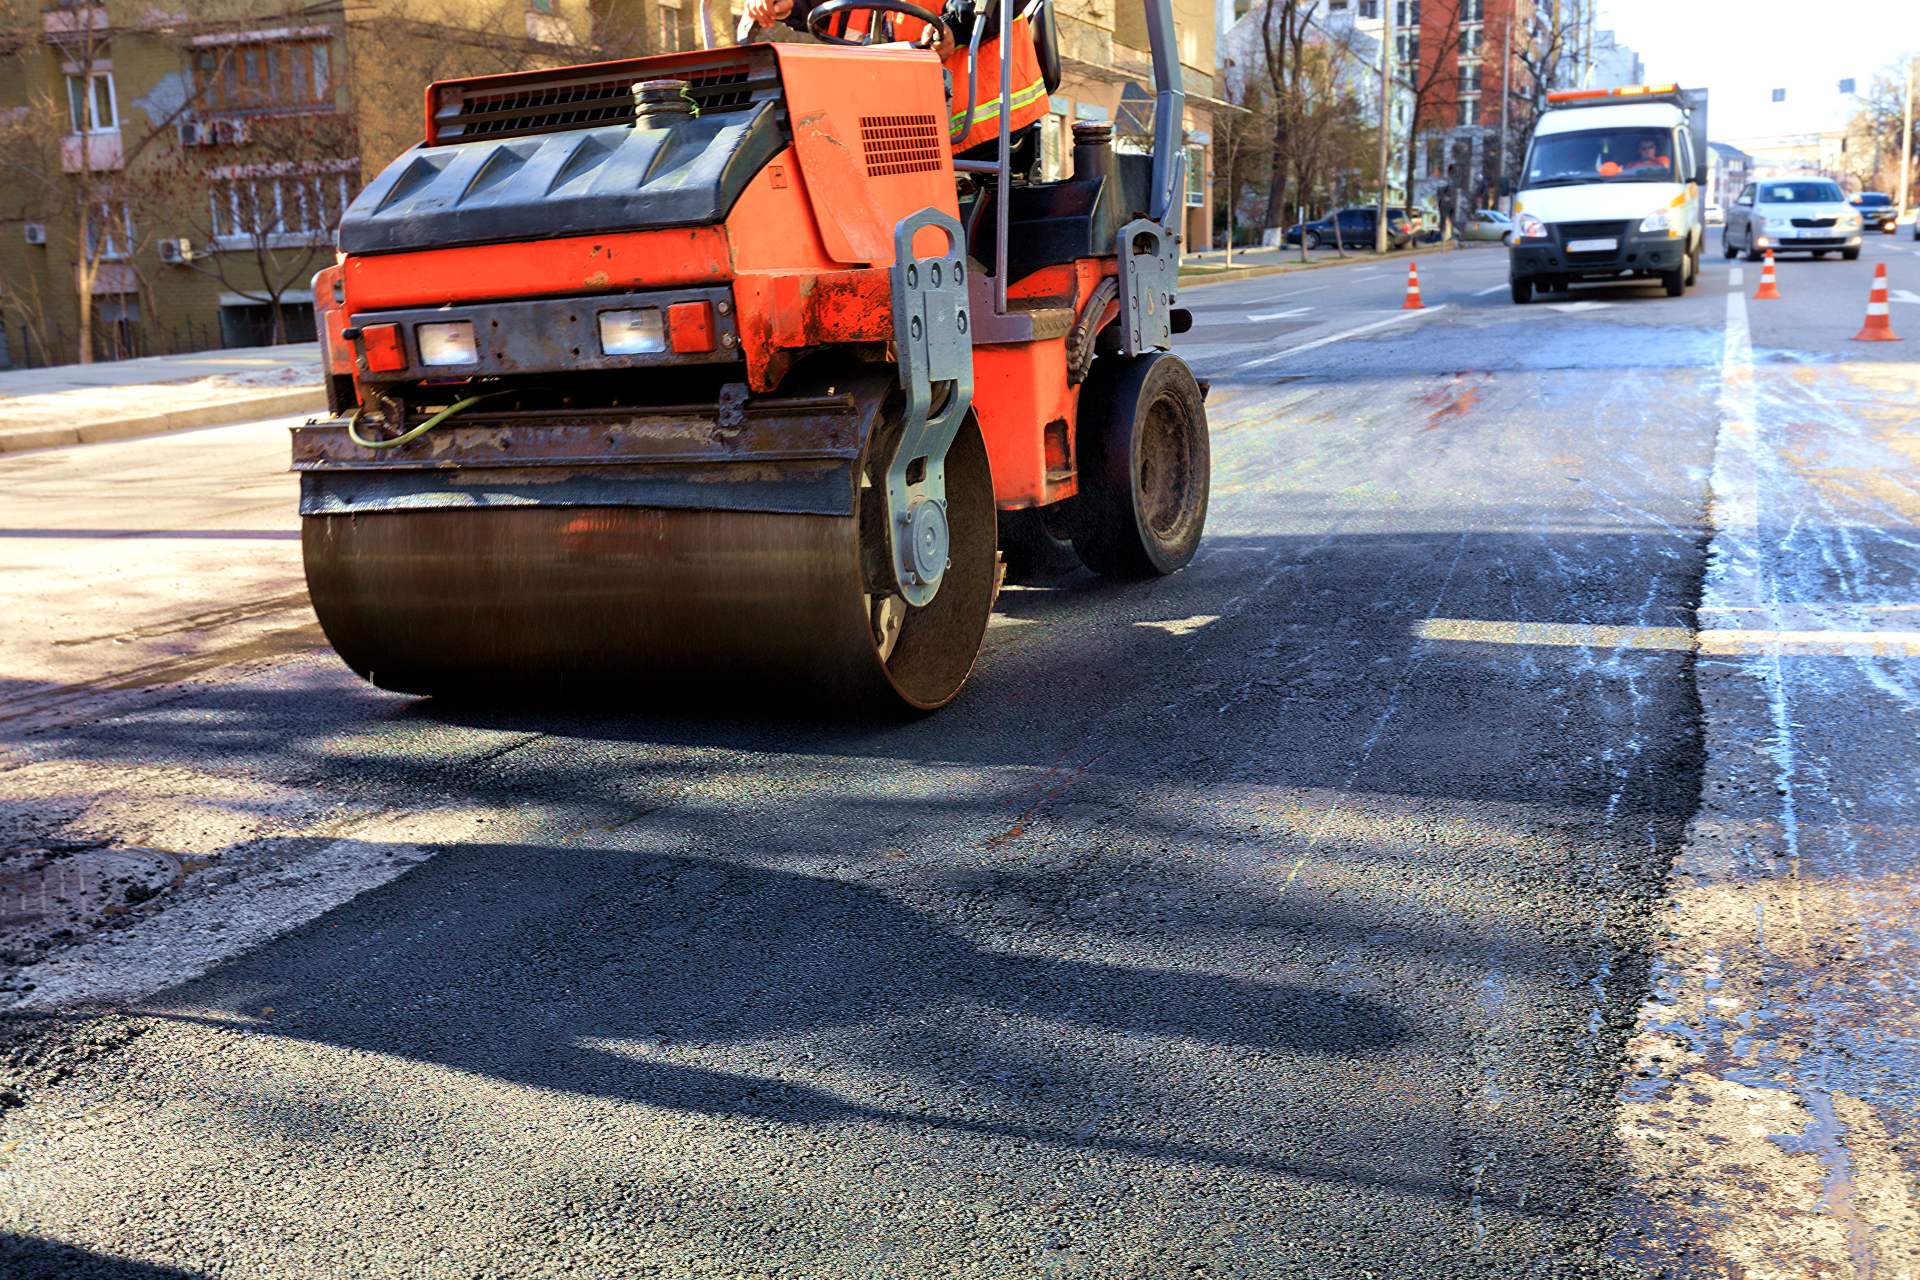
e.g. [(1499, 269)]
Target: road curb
[(1190, 278), (271, 404)]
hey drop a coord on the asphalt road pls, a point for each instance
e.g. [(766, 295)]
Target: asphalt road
[(1290, 916)]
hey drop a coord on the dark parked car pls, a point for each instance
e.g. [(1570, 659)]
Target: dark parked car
[(1356, 229), (1877, 211)]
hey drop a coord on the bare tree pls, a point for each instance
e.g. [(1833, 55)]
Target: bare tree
[(1283, 39), (1878, 131), (1240, 139), (262, 229)]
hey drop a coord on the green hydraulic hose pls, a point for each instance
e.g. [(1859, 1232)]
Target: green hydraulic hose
[(458, 406)]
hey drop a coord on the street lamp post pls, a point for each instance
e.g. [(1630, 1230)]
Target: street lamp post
[(1386, 121), (1906, 144), (1506, 100)]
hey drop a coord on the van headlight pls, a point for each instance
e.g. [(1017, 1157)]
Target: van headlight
[(1660, 220), (1528, 227)]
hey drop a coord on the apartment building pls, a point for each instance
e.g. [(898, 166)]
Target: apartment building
[(175, 174)]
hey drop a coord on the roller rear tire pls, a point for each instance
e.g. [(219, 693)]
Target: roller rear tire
[(1144, 467)]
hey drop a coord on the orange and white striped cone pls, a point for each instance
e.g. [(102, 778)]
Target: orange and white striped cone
[(1767, 288), (1413, 302), (1879, 326)]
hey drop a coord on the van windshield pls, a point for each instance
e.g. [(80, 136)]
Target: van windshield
[(1800, 193), (1601, 155)]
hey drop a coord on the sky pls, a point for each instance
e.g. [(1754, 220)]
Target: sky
[(1744, 51)]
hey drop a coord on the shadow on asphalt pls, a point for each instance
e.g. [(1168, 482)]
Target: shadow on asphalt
[(589, 971), (32, 1258)]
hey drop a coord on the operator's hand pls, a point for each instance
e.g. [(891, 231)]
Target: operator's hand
[(767, 12), (936, 37)]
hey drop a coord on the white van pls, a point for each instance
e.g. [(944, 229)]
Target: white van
[(1613, 188)]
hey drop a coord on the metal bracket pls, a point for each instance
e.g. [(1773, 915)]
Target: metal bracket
[(1149, 266), (932, 334)]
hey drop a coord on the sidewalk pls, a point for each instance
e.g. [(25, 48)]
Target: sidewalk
[(1210, 265), (116, 400)]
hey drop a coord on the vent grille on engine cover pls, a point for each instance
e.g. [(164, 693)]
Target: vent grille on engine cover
[(900, 144), (466, 112)]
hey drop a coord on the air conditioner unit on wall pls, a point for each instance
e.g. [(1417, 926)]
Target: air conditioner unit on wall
[(193, 134), (36, 232), (230, 133), (177, 252)]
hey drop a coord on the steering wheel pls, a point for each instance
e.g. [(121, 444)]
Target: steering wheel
[(820, 14)]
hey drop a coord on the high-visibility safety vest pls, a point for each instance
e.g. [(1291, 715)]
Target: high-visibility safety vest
[(983, 126)]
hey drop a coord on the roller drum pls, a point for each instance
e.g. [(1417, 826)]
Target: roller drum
[(630, 600)]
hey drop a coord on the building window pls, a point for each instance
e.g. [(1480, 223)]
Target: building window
[(1846, 86), (1196, 177), (669, 30), (92, 106), (264, 75), (1407, 48), (1472, 10), (1469, 111), (1406, 13), (277, 203), (1470, 38), (1779, 95), (1368, 9), (1470, 78), (109, 231)]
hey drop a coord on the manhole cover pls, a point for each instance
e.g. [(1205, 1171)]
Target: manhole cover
[(52, 893)]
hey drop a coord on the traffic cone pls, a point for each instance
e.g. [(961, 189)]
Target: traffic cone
[(1413, 302), (1879, 326), (1767, 289)]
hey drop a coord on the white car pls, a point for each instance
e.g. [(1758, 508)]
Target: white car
[(1716, 216), (1487, 224), (1792, 215)]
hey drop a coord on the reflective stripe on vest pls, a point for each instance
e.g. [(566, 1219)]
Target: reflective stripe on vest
[(990, 110)]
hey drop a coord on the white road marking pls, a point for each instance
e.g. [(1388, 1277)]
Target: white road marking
[(1481, 293), (1904, 295), (1342, 336), (1579, 306), (1736, 275), (1279, 315)]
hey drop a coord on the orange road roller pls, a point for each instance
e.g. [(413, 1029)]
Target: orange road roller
[(720, 368)]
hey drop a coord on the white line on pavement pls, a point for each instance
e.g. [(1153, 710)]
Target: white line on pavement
[(1280, 315), (1736, 276), (1904, 295), (1481, 293), (1342, 336)]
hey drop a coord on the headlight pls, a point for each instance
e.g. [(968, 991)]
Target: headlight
[(445, 344), (630, 333), (1528, 227), (1667, 220), (1850, 221)]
